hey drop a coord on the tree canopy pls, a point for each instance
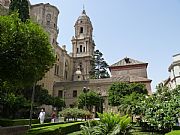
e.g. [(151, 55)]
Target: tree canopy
[(20, 6), (89, 100), (161, 110), (25, 52), (99, 66), (117, 91)]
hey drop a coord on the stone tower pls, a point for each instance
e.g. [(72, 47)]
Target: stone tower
[(5, 3), (83, 46), (47, 16)]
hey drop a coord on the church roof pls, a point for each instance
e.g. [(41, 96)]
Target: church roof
[(126, 61), (122, 78)]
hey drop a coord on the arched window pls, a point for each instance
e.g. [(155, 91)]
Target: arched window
[(81, 29), (80, 48)]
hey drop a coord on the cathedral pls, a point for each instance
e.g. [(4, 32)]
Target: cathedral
[(70, 73)]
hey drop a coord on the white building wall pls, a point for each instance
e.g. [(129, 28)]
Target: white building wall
[(174, 70)]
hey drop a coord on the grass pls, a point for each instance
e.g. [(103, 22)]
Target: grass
[(175, 132), (75, 133)]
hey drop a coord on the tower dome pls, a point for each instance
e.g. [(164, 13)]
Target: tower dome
[(83, 19), (83, 16)]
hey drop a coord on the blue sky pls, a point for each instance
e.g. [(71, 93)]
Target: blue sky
[(146, 30)]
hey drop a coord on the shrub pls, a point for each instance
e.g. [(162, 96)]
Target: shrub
[(74, 113)]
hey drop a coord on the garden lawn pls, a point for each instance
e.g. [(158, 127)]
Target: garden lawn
[(76, 133), (175, 132), (56, 129)]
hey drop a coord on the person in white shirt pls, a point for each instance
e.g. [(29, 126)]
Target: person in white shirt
[(41, 116)]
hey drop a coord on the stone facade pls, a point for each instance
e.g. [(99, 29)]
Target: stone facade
[(130, 72), (5, 3), (70, 73)]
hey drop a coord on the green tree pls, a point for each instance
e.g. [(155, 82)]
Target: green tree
[(25, 52), (41, 95), (12, 104), (130, 104), (58, 103), (117, 91), (22, 7), (99, 66), (89, 100), (161, 111)]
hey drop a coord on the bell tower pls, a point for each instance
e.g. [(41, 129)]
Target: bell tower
[(83, 45)]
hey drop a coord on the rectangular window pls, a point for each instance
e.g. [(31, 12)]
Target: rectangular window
[(60, 93), (55, 69), (81, 29), (80, 48), (77, 50), (74, 93), (57, 72), (84, 49)]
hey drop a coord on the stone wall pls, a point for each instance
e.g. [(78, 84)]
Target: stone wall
[(3, 10)]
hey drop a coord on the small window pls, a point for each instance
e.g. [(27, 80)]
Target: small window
[(78, 77), (60, 93), (48, 23), (57, 72), (80, 48), (74, 93), (84, 49), (80, 66), (55, 69), (77, 50), (81, 29), (53, 40), (66, 75)]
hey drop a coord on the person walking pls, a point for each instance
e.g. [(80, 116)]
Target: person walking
[(53, 117), (41, 116)]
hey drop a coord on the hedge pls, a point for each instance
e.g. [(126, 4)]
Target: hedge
[(16, 122), (58, 129), (175, 132)]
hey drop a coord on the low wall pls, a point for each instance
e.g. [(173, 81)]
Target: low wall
[(14, 130)]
